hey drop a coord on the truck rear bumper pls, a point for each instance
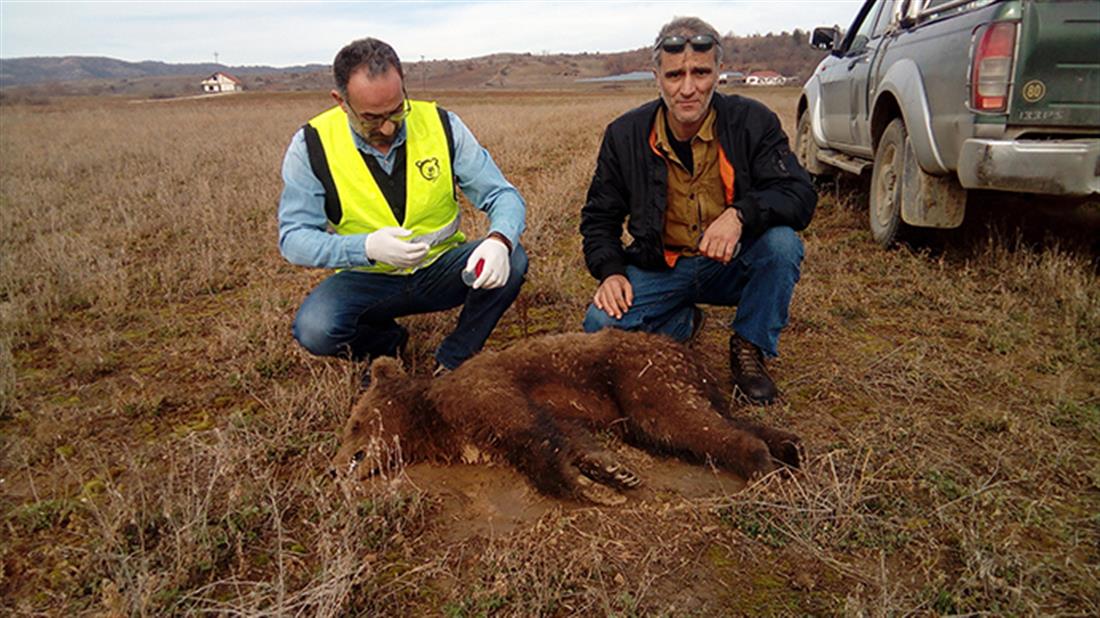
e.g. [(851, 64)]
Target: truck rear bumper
[(1031, 166)]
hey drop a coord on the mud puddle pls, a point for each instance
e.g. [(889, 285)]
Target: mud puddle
[(493, 500)]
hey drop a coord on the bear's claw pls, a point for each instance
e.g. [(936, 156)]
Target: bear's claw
[(603, 468)]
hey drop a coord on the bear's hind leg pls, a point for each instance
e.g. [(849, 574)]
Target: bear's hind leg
[(784, 446), (693, 427)]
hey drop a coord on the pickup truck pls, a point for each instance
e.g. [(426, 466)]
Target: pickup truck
[(939, 97)]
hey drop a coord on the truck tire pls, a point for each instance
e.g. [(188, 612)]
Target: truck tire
[(887, 227), (805, 148)]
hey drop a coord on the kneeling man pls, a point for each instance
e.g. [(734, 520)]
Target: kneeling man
[(712, 197)]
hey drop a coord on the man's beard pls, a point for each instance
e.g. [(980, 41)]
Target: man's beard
[(704, 108), (375, 137)]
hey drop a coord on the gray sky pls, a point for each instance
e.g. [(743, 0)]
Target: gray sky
[(290, 33)]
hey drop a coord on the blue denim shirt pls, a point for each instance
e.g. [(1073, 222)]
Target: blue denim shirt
[(305, 238)]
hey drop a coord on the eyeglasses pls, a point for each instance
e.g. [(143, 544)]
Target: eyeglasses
[(395, 116), (676, 43)]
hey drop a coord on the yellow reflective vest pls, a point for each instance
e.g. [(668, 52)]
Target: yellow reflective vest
[(354, 201)]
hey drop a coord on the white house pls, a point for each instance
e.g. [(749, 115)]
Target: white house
[(731, 77), (765, 78), (221, 82)]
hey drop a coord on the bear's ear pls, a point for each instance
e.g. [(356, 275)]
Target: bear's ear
[(386, 368)]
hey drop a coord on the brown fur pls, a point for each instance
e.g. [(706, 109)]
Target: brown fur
[(535, 405)]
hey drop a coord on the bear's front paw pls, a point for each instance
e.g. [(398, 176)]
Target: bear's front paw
[(597, 493), (602, 467)]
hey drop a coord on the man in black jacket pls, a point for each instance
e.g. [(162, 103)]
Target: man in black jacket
[(712, 197)]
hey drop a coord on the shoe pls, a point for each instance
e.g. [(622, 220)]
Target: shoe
[(402, 344), (698, 319), (399, 352), (750, 377)]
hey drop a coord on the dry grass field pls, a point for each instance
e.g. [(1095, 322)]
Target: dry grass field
[(164, 442)]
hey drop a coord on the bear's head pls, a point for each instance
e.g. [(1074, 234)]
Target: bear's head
[(391, 424), (429, 168)]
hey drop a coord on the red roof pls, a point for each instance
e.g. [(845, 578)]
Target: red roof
[(764, 74), (225, 75)]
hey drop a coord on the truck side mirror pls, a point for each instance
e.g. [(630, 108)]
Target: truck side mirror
[(825, 37)]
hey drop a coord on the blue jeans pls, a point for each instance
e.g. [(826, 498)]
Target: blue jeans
[(351, 314), (759, 281)]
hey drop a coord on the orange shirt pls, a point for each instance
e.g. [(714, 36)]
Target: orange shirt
[(696, 198)]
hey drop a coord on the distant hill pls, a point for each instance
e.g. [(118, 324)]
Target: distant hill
[(785, 53), (19, 71)]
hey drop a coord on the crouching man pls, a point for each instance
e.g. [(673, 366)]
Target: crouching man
[(712, 197), (370, 188)]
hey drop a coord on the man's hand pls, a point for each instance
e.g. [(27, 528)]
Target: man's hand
[(722, 237), (614, 296), (496, 266), (386, 246)]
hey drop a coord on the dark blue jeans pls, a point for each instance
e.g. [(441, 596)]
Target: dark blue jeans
[(351, 314), (760, 282)]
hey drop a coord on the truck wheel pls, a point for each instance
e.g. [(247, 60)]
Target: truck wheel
[(886, 185), (805, 148)]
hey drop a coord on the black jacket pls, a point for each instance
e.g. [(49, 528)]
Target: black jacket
[(631, 183)]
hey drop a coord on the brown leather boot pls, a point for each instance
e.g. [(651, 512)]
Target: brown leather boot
[(750, 377)]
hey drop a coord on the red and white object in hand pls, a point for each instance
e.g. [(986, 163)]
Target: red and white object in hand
[(468, 277), (488, 265)]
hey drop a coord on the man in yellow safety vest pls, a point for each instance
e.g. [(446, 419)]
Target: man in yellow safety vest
[(370, 188)]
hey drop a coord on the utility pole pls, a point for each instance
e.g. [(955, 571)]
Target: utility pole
[(423, 73), (215, 57)]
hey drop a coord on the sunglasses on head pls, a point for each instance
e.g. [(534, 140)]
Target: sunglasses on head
[(676, 43)]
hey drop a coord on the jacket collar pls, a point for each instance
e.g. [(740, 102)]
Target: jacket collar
[(659, 112), (661, 128)]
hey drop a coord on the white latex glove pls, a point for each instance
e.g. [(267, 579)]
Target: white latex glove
[(494, 270), (386, 246)]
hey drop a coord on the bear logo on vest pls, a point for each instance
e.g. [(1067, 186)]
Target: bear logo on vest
[(429, 168)]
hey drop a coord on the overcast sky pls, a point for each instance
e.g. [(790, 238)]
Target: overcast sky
[(290, 33)]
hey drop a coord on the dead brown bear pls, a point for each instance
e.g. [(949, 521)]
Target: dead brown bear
[(537, 403)]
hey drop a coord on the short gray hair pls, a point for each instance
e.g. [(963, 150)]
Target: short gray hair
[(686, 27)]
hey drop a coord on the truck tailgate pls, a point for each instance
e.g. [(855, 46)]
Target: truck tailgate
[(1057, 77)]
